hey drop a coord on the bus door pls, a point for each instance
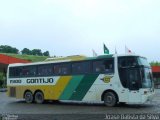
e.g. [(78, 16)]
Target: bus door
[(134, 84)]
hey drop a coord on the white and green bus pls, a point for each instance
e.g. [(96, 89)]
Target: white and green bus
[(110, 79)]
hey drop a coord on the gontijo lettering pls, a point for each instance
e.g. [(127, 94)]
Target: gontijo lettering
[(40, 80)]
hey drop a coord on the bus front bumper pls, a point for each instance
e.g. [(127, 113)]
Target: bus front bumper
[(148, 97)]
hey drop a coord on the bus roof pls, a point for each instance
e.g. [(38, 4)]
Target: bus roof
[(71, 58)]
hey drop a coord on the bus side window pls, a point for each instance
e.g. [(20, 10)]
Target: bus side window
[(81, 67), (24, 71), (98, 67), (45, 70), (62, 69), (29, 71), (32, 71), (56, 69), (14, 72), (103, 66), (77, 68), (109, 66)]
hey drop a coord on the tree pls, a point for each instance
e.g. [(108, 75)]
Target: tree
[(46, 53), (26, 51), (15, 50), (36, 52), (8, 49), (155, 63)]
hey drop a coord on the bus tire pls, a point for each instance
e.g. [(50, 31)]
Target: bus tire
[(110, 99), (39, 97), (28, 96)]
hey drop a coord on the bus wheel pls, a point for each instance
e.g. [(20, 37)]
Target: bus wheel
[(39, 97), (110, 99), (28, 97)]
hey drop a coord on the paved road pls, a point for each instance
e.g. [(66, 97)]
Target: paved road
[(14, 106)]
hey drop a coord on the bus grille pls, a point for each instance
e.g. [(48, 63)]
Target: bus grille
[(12, 92)]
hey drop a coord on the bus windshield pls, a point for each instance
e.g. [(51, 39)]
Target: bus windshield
[(146, 78), (143, 61), (134, 72), (132, 61)]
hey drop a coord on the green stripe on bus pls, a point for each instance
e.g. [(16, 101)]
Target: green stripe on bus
[(70, 88), (83, 87)]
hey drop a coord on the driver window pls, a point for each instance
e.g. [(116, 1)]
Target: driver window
[(103, 66), (134, 78)]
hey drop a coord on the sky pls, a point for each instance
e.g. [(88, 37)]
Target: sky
[(75, 27)]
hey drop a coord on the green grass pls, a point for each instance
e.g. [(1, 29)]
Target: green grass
[(31, 58)]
